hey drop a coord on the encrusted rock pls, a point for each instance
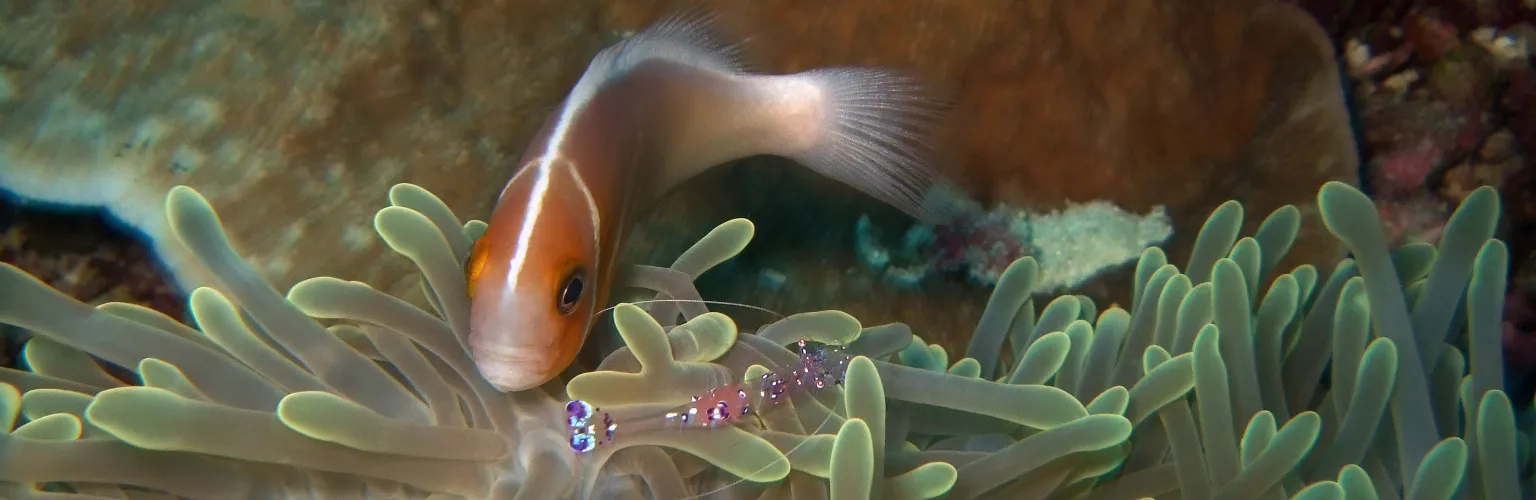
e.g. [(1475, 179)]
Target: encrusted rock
[(294, 115)]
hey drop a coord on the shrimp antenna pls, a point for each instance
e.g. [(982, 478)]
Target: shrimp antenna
[(692, 301)]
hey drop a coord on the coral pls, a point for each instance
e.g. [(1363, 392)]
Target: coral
[(1068, 101), (1453, 116), (1380, 379), (82, 257), (1419, 219), (1184, 105), (1431, 116), (1072, 245), (302, 112)]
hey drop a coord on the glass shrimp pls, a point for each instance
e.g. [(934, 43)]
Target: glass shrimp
[(818, 368)]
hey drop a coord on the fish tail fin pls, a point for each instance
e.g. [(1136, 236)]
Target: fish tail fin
[(877, 135)]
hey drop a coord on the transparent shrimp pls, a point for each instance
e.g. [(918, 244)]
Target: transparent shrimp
[(818, 368)]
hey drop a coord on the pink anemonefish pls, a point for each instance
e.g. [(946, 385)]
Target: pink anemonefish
[(649, 113)]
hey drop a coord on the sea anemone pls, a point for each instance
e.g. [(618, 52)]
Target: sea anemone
[(1381, 379)]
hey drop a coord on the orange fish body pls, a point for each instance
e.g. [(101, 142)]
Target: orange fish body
[(648, 114)]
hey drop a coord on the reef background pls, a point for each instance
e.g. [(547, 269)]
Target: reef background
[(1058, 101)]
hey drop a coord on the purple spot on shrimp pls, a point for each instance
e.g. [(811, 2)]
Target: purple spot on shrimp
[(582, 442)]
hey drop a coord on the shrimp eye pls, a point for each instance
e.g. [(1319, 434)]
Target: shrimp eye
[(570, 291)]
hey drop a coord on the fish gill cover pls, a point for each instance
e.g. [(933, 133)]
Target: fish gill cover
[(1207, 387)]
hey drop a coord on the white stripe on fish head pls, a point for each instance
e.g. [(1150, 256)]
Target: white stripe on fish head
[(542, 171)]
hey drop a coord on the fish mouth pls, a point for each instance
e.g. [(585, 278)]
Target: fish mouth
[(514, 369)]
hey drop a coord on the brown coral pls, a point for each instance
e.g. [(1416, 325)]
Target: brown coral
[(1143, 103)]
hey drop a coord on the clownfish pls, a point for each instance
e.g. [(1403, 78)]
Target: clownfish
[(651, 112)]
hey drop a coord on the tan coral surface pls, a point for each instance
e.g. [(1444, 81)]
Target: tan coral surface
[(299, 114)]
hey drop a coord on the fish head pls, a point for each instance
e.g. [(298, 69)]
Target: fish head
[(533, 277)]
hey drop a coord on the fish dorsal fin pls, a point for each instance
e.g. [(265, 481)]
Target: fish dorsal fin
[(697, 35)]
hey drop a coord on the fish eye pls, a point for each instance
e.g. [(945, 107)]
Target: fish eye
[(570, 291)]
